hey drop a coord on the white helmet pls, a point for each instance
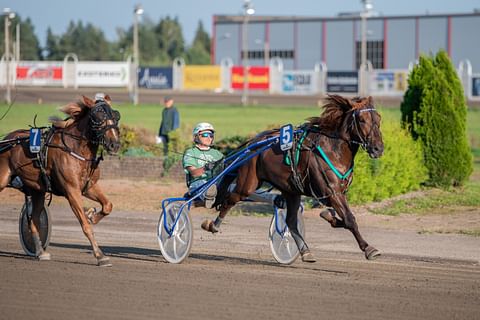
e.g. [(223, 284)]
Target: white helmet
[(202, 126)]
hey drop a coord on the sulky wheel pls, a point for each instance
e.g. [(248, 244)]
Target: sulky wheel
[(24, 228), (175, 232), (282, 244)]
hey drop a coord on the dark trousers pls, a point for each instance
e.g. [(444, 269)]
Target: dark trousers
[(165, 144)]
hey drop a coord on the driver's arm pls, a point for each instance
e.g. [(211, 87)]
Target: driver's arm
[(195, 172)]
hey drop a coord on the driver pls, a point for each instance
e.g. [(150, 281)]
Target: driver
[(201, 161)]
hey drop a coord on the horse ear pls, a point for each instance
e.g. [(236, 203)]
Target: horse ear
[(370, 100), (108, 99), (87, 101)]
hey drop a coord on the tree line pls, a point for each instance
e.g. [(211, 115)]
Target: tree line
[(159, 43)]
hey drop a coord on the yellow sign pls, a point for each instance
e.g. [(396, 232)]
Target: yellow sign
[(401, 81), (201, 77)]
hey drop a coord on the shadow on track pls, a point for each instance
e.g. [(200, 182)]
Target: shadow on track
[(143, 254)]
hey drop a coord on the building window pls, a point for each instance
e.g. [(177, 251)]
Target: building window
[(260, 54), (374, 54)]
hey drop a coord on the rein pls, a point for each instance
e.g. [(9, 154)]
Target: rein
[(67, 149)]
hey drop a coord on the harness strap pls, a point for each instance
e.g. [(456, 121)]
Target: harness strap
[(335, 170)]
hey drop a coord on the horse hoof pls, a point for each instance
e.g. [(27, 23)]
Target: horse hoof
[(307, 256), (45, 256), (325, 214), (104, 262), (209, 226), (371, 253)]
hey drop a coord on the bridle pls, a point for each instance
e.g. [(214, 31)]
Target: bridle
[(363, 139), (98, 116)]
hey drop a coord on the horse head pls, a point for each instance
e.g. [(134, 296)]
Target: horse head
[(103, 123), (364, 126)]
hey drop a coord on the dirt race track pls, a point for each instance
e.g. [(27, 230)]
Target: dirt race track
[(232, 275)]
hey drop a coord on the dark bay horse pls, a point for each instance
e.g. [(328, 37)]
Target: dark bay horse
[(320, 167), (67, 165)]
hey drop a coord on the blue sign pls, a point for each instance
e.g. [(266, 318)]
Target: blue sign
[(476, 86), (35, 140), (155, 78), (286, 137)]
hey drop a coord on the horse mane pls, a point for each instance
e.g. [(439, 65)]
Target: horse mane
[(335, 111), (75, 111)]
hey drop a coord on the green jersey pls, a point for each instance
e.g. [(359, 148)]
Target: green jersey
[(194, 157)]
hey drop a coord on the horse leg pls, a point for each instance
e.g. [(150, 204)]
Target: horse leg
[(74, 198), (4, 173), (329, 215), (247, 183), (96, 194), (38, 203), (293, 203), (340, 205), (214, 226)]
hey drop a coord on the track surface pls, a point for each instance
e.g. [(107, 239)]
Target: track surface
[(232, 275)]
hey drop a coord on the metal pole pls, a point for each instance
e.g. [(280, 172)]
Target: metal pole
[(8, 98), (266, 53), (363, 63), (135, 58), (17, 42), (245, 59)]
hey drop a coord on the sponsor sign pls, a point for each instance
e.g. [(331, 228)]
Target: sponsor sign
[(201, 77), (388, 82), (102, 74), (298, 82), (476, 86), (39, 73), (258, 78), (155, 78), (342, 81)]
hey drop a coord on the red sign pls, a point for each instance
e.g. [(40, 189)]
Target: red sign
[(39, 73), (258, 78)]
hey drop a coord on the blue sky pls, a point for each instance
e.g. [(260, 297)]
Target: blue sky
[(111, 14)]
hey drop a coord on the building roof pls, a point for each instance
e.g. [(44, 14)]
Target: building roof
[(219, 19)]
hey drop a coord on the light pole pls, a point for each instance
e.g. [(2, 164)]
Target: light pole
[(8, 16), (367, 8), (138, 11), (248, 10)]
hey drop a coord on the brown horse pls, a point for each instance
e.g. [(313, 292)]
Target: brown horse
[(67, 165), (320, 167)]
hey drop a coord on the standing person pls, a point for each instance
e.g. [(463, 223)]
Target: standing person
[(170, 122), (199, 162)]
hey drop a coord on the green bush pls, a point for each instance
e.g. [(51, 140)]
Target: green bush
[(229, 144), (398, 171), (138, 142), (434, 111)]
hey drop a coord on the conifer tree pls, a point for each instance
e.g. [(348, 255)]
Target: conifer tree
[(434, 111)]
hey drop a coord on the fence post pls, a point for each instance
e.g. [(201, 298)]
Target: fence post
[(276, 73), (178, 65), (67, 74), (226, 74)]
